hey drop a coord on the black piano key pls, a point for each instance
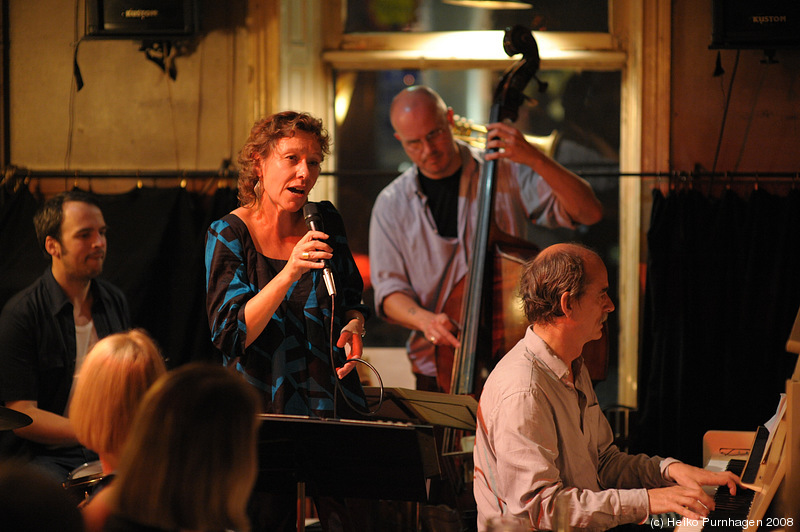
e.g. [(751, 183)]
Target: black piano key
[(735, 466), (730, 508)]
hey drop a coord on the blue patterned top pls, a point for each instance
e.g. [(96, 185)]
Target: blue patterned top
[(290, 361)]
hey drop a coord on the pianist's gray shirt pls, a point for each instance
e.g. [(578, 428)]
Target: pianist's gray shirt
[(539, 436)]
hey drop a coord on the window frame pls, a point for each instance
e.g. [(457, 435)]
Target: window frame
[(636, 30)]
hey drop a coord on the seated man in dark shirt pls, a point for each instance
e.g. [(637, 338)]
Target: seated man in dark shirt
[(47, 329)]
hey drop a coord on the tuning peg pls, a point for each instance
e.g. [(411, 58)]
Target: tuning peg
[(542, 84)]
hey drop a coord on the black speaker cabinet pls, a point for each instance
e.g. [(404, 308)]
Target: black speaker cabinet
[(141, 19), (764, 24)]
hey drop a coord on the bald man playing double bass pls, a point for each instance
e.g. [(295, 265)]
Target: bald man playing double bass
[(423, 222)]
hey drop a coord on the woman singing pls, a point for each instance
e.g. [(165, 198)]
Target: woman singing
[(268, 308)]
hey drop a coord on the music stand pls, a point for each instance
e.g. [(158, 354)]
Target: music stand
[(427, 408), (346, 458)]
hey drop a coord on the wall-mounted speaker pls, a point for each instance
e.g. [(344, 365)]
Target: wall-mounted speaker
[(765, 24), (141, 19)]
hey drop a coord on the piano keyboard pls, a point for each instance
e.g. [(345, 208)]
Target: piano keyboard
[(730, 508), (731, 511)]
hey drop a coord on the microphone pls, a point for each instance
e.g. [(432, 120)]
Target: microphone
[(314, 223)]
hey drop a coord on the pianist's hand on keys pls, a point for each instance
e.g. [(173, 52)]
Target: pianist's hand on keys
[(688, 498)]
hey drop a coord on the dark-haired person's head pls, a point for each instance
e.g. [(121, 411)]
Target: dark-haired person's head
[(71, 230), (196, 431), (32, 501)]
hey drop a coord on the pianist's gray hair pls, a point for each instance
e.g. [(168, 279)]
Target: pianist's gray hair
[(549, 275)]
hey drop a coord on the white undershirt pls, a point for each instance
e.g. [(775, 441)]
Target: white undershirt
[(83, 341), (85, 338)]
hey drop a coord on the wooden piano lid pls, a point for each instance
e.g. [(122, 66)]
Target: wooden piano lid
[(793, 343)]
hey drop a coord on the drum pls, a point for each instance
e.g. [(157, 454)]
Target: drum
[(83, 480)]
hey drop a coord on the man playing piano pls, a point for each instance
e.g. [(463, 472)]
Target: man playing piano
[(542, 441)]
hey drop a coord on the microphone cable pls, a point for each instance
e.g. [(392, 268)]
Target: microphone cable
[(313, 221), (338, 381)]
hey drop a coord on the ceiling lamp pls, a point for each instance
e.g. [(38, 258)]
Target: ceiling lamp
[(490, 4)]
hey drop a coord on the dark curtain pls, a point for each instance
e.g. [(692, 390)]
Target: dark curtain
[(722, 292), (21, 261), (155, 255)]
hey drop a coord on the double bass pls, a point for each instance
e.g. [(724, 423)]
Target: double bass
[(486, 298)]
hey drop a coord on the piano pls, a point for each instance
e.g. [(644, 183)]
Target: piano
[(757, 457), (768, 462)]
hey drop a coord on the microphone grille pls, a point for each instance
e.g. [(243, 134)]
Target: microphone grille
[(312, 217), (310, 210)]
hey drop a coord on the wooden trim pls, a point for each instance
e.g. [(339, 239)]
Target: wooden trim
[(656, 75), (468, 49), (626, 18), (305, 81), (417, 60), (643, 30), (333, 17), (263, 30), (485, 39), (638, 45), (5, 93), (286, 72)]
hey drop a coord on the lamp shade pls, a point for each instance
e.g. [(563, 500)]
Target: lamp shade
[(490, 4)]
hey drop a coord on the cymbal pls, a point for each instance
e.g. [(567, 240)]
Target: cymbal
[(11, 419)]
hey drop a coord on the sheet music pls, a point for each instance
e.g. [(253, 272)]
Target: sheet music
[(773, 421), (772, 424)]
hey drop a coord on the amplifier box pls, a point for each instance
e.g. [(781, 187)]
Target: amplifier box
[(141, 19), (765, 24)]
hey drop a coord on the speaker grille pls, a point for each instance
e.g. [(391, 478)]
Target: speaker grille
[(147, 19)]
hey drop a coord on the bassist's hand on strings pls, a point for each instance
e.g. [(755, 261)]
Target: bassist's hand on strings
[(438, 329), (441, 330), (573, 192), (510, 143)]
